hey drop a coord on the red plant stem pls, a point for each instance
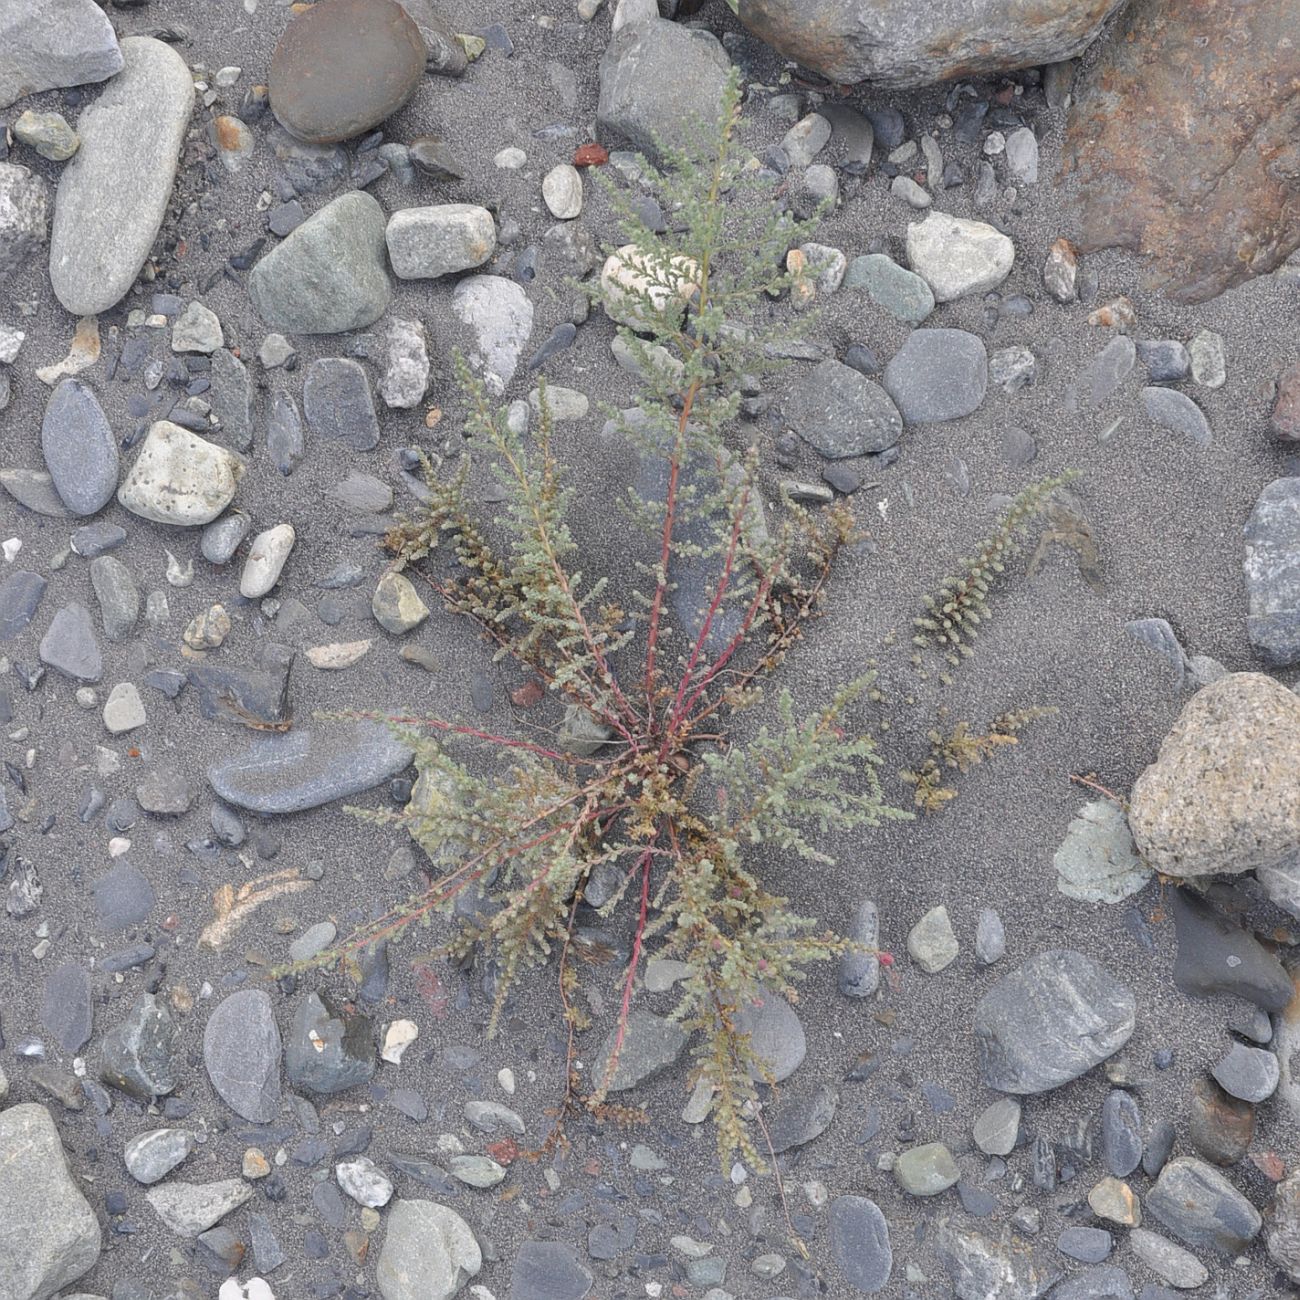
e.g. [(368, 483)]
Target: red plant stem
[(460, 729), (625, 1007), (742, 633)]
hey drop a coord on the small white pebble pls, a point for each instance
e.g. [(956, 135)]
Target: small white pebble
[(11, 549), (118, 845), (506, 1078), (510, 159)]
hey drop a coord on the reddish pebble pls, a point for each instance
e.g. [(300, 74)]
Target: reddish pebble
[(591, 155)]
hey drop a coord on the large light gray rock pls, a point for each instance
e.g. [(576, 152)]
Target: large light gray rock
[(1050, 1021), (957, 257), (499, 319), (329, 275), (191, 1208), (660, 82), (24, 212), (429, 1253), (113, 194), (899, 43), (1273, 573), (424, 243), (47, 44), (180, 478), (1222, 795), (54, 1237)]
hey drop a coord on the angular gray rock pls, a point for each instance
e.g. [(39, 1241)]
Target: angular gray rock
[(24, 213), (117, 594), (65, 1006), (650, 1044), (113, 194), (429, 1253), (54, 44), (981, 1269), (69, 645), (241, 1050), (328, 1052), (191, 1208), (1283, 1235), (308, 766), (138, 1056), (20, 598), (1200, 1206), (1096, 861), (893, 43), (1272, 570), (153, 1155), (329, 275), (1050, 1021), (231, 396), (660, 82), (937, 375), (842, 413), (56, 1238), (79, 448)]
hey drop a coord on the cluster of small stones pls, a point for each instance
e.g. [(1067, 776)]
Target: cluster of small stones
[(250, 1130)]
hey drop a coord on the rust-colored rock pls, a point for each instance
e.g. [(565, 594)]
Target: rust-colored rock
[(1285, 420), (902, 43), (1219, 1127), (1185, 139)]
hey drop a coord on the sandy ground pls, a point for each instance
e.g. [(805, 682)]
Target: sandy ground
[(1168, 517)]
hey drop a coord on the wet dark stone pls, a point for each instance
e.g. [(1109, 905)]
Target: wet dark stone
[(1215, 956), (139, 1054), (327, 1052)]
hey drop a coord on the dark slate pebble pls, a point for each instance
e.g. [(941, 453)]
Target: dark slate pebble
[(1158, 1148), (91, 540), (284, 440), (1215, 956), (1121, 1133), (548, 1270), (799, 1115), (859, 1240), (1105, 1282), (409, 1103), (221, 538), (267, 1252), (123, 897), (1087, 1245), (65, 1006), (20, 597), (338, 404), (79, 448), (427, 1174), (1167, 361), (137, 954), (285, 217)]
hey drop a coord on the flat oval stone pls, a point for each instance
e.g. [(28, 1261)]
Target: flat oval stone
[(937, 375), (859, 1238), (308, 767), (79, 448), (328, 276), (241, 1050), (342, 67), (113, 194), (20, 595), (1050, 1021)]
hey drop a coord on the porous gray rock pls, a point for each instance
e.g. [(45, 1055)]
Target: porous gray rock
[(1049, 1021), (24, 214), (54, 44), (660, 82), (56, 1238), (981, 1269), (424, 243), (329, 275), (191, 1208), (1221, 797), (180, 478), (114, 193), (892, 43), (1272, 575)]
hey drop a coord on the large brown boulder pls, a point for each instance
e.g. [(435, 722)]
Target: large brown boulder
[(1223, 794), (1185, 139), (902, 43)]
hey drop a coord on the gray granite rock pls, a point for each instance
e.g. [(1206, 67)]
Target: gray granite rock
[(957, 257), (427, 242), (308, 766), (117, 594), (338, 404), (56, 1238), (326, 1051), (406, 364), (799, 1115), (114, 193), (34, 489), (69, 645), (1050, 1021), (58, 43), (842, 413), (660, 82), (1200, 1206), (221, 538), (79, 447), (429, 1253), (1101, 1282), (231, 396), (1272, 570), (329, 275), (1087, 1245), (24, 214), (241, 1050), (997, 1126), (191, 1208), (981, 1268), (499, 320)]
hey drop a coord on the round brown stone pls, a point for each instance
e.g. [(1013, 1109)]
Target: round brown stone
[(1219, 1127), (344, 66)]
